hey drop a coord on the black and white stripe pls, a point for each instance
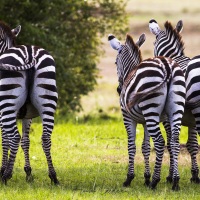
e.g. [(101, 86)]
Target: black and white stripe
[(25, 94), (169, 43), (149, 89)]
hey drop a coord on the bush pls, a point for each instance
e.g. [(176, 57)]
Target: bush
[(71, 31)]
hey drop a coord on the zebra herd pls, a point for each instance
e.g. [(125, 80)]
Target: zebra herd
[(160, 89)]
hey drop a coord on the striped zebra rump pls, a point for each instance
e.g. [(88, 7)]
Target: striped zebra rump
[(149, 81), (40, 79)]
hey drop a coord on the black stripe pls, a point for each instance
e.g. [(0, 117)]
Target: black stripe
[(194, 80), (6, 105), (48, 105), (151, 114), (10, 74), (6, 97), (49, 97), (179, 82), (179, 93), (9, 119), (9, 87), (152, 105), (193, 95), (48, 120), (147, 85), (48, 87), (47, 75), (48, 113), (8, 112), (46, 62)]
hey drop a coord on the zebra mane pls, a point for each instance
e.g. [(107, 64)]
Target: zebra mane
[(178, 38), (135, 48), (7, 30)]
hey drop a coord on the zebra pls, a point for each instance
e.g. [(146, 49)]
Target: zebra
[(149, 90), (4, 45), (27, 90), (169, 43)]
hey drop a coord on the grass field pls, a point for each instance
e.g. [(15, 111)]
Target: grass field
[(91, 162), (90, 152)]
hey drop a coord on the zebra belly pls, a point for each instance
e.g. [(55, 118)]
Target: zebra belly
[(188, 118)]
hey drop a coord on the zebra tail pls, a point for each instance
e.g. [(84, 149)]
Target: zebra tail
[(138, 97), (24, 67)]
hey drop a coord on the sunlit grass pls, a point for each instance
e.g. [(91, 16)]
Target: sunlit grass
[(91, 159), (90, 152)]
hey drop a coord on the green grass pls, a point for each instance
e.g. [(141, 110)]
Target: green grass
[(91, 163), (90, 152)]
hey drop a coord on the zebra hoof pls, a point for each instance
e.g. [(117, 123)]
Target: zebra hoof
[(195, 180), (2, 172), (6, 177), (54, 179), (175, 187), (147, 177), (129, 178), (153, 184), (147, 183), (4, 180), (169, 179), (29, 178)]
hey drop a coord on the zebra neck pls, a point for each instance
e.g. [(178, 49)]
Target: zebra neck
[(131, 70)]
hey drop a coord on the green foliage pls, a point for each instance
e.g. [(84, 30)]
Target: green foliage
[(71, 31)]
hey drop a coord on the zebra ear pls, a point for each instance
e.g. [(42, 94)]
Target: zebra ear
[(114, 42), (129, 41), (141, 40), (16, 30), (179, 26), (153, 27)]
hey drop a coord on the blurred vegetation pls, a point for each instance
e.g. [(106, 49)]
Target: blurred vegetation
[(71, 30)]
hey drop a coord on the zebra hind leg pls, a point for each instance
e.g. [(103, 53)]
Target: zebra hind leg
[(131, 131), (146, 148), (25, 144), (155, 133), (48, 124), (167, 127), (192, 147), (5, 149), (14, 141)]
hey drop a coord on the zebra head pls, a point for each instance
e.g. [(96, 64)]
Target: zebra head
[(129, 55), (168, 42), (7, 36)]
